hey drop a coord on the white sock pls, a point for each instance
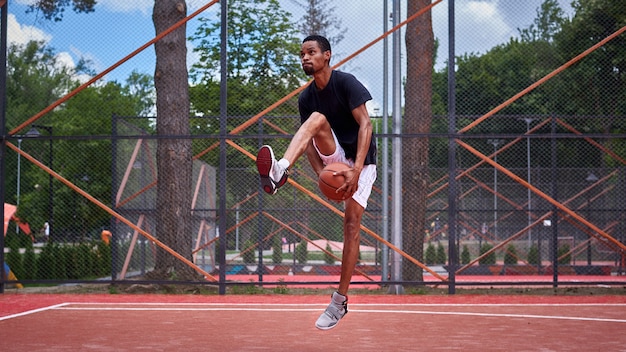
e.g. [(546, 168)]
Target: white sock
[(284, 163)]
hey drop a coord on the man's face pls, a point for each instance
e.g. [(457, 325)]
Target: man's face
[(312, 58)]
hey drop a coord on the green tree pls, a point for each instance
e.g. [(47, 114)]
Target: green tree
[(510, 256), (86, 114), (263, 63), (596, 85), (172, 106), (14, 258), (320, 18), (174, 161), (140, 87), (441, 254), (248, 255), (301, 252), (550, 18), (465, 255), (35, 79), (277, 250), (489, 258), (533, 255), (29, 262), (328, 255), (53, 9), (564, 254), (430, 256)]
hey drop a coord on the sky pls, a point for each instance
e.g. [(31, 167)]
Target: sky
[(119, 27)]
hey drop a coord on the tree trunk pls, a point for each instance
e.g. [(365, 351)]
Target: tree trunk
[(417, 119), (174, 155)]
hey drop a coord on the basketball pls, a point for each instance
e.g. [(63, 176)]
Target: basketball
[(328, 182)]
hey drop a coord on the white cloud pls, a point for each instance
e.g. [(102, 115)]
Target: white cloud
[(483, 22), (25, 2), (95, 63), (64, 59), (143, 6), (480, 25), (22, 34)]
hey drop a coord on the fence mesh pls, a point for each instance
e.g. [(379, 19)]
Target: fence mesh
[(535, 176)]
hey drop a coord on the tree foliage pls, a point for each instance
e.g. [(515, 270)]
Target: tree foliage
[(54, 9), (550, 18), (263, 63), (319, 18), (489, 258), (510, 256), (594, 86), (36, 79)]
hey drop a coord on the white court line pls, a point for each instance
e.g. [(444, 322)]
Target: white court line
[(357, 304), (267, 308), (525, 316), (56, 306)]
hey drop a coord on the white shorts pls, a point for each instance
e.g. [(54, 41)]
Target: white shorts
[(366, 179)]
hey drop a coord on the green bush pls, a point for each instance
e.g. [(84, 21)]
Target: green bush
[(58, 261), (302, 252), (564, 255), (465, 255), (441, 254), (248, 254), (510, 256), (488, 259), (430, 256), (29, 262), (328, 255), (277, 250), (102, 256), (533, 255), (13, 258)]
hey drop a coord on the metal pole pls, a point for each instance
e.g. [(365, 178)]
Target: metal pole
[(51, 189), (19, 178), (385, 157), (113, 226), (452, 190), (591, 179), (555, 210), (528, 120), (495, 194), (223, 131), (396, 210), (3, 106), (495, 143)]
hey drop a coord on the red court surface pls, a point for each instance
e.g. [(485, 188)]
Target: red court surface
[(93, 322)]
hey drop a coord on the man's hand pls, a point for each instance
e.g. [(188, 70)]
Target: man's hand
[(351, 183)]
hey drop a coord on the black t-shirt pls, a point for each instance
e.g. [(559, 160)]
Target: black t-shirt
[(342, 94)]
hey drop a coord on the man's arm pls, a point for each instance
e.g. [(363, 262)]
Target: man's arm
[(365, 135)]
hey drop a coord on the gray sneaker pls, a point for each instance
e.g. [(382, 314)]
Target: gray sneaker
[(337, 308)]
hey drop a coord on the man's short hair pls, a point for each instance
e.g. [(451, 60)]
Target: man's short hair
[(323, 43)]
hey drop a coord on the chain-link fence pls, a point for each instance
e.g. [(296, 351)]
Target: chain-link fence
[(512, 169)]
